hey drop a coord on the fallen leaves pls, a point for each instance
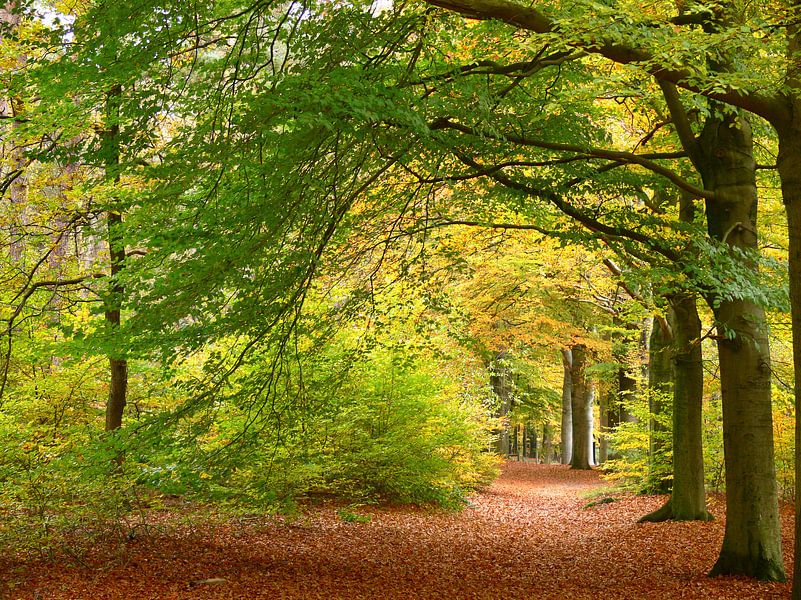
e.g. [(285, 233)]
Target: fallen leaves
[(528, 536)]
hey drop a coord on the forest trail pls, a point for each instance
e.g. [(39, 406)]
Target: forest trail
[(528, 536)]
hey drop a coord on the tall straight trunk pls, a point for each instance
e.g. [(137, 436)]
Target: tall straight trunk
[(752, 541), (501, 384), (688, 499), (789, 163), (118, 365), (626, 386), (581, 406), (723, 155), (589, 417), (660, 374), (547, 444), (604, 402), (567, 407)]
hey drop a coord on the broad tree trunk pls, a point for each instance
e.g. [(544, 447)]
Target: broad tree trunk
[(567, 407), (688, 499), (752, 541), (789, 163), (581, 407)]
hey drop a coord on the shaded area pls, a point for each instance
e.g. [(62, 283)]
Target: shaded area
[(527, 536)]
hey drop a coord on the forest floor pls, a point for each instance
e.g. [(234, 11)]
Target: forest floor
[(530, 535)]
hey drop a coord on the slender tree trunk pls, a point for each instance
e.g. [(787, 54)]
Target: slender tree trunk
[(547, 444), (660, 374), (626, 386), (118, 365), (581, 406), (752, 541), (590, 418), (604, 402), (501, 383), (567, 407)]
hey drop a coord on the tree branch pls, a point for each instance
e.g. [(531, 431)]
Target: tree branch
[(582, 217), (771, 107), (616, 155)]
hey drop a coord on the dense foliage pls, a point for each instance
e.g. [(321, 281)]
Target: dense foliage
[(261, 254)]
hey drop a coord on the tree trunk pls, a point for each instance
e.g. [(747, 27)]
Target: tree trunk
[(626, 384), (567, 407), (581, 407), (789, 163), (660, 374), (118, 365), (752, 541), (12, 109), (688, 499), (547, 445), (501, 384), (604, 401)]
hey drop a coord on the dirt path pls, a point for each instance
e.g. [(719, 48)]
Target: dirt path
[(526, 537)]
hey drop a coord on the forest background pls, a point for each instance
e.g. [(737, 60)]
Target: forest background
[(258, 254)]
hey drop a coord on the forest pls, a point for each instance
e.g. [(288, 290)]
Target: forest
[(400, 299)]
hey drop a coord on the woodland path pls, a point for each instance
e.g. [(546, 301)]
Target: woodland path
[(528, 536)]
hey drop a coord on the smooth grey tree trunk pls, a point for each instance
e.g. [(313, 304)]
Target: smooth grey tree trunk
[(567, 407), (604, 402), (581, 407), (501, 384)]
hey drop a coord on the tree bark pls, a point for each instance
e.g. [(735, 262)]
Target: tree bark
[(789, 163), (626, 381), (567, 407), (581, 407), (118, 365), (604, 426), (752, 541), (688, 499), (501, 384), (547, 444), (660, 375)]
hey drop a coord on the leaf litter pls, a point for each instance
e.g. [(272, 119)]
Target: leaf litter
[(530, 535)]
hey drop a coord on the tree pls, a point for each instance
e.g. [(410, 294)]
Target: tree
[(757, 554), (581, 402)]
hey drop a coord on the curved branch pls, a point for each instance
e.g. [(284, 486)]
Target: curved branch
[(616, 155), (771, 107), (582, 217)]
